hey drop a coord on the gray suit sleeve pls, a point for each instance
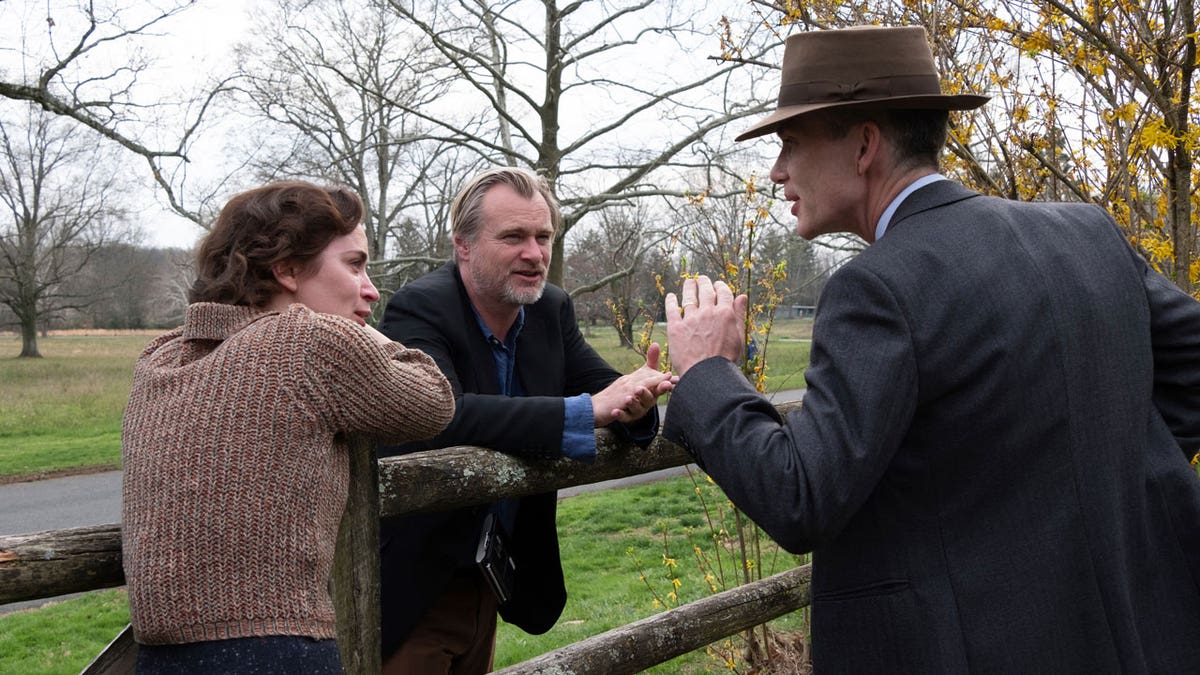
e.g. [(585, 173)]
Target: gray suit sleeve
[(1175, 335), (802, 478)]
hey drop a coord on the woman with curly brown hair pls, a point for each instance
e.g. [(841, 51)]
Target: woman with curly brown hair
[(234, 439)]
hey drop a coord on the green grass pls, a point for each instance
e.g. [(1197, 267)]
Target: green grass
[(609, 540), (62, 637), (787, 351), (597, 532), (63, 411)]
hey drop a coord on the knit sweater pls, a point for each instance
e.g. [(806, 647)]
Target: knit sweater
[(236, 467)]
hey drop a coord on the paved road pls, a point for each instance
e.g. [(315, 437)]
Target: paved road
[(57, 503), (95, 499)]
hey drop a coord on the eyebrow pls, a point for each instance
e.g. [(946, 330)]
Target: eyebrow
[(522, 229)]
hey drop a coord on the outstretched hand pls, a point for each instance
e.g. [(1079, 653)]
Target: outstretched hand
[(631, 396), (709, 322)]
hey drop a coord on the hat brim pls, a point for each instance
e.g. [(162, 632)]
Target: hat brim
[(772, 122)]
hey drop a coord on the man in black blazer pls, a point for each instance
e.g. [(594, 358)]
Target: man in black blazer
[(525, 382), (991, 462)]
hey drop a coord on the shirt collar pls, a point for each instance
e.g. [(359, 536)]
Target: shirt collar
[(886, 218), (512, 332)]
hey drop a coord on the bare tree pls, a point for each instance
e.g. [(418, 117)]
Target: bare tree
[(613, 268), (598, 97), (325, 75), (61, 194), (132, 287), (87, 62)]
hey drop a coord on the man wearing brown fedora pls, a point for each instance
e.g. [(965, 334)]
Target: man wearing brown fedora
[(991, 462)]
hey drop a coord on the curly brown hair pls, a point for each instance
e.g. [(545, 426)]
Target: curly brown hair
[(287, 221)]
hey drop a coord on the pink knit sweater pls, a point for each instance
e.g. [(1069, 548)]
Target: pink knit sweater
[(235, 463)]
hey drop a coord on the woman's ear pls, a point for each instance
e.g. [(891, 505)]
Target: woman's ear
[(285, 274)]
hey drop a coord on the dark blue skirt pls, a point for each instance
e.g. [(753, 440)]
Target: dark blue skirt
[(275, 655)]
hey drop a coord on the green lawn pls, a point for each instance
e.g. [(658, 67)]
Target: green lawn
[(602, 536), (786, 351), (63, 411), (62, 637)]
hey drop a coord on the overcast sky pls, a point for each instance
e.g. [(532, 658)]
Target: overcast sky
[(186, 48), (201, 41)]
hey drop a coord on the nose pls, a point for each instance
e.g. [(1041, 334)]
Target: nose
[(369, 292), (532, 250), (779, 173)]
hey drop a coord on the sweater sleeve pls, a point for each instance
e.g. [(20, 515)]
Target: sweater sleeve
[(384, 390)]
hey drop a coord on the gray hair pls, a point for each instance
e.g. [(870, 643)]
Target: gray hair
[(466, 212)]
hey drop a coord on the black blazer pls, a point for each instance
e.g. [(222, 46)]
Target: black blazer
[(991, 462), (420, 552)]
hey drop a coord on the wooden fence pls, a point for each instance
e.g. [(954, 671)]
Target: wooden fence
[(48, 564)]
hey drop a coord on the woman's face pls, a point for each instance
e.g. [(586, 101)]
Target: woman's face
[(336, 281)]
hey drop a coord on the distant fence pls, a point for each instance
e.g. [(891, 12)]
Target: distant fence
[(48, 564)]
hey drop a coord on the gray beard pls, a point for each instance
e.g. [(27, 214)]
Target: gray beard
[(506, 291), (525, 297)]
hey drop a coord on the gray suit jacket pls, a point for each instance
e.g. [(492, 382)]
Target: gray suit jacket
[(991, 462)]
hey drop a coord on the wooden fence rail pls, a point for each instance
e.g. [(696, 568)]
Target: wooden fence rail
[(637, 646), (48, 564)]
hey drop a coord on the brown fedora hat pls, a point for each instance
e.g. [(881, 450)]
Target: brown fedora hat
[(861, 66)]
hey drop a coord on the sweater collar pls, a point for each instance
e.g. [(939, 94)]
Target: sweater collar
[(217, 321)]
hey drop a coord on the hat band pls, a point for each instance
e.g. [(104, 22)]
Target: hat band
[(826, 91)]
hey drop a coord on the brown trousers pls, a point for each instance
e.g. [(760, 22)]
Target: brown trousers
[(457, 636)]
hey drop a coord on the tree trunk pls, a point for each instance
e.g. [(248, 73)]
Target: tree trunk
[(29, 348), (1181, 161)]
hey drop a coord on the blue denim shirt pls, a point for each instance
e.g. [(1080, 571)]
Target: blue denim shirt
[(579, 435)]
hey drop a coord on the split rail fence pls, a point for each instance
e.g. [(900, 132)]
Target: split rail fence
[(49, 564)]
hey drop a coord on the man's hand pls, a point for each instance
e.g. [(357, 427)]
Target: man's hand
[(631, 396), (711, 323)]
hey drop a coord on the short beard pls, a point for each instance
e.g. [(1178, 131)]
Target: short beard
[(526, 296), (505, 290)]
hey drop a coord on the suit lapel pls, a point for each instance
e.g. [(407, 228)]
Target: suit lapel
[(480, 379)]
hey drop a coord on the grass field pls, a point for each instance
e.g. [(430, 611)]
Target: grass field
[(63, 411), (62, 637), (786, 351), (601, 535)]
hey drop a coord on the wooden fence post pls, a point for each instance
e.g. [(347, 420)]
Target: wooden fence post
[(355, 582)]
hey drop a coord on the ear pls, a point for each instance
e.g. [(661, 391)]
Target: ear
[(462, 247), (869, 139), (285, 274)]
